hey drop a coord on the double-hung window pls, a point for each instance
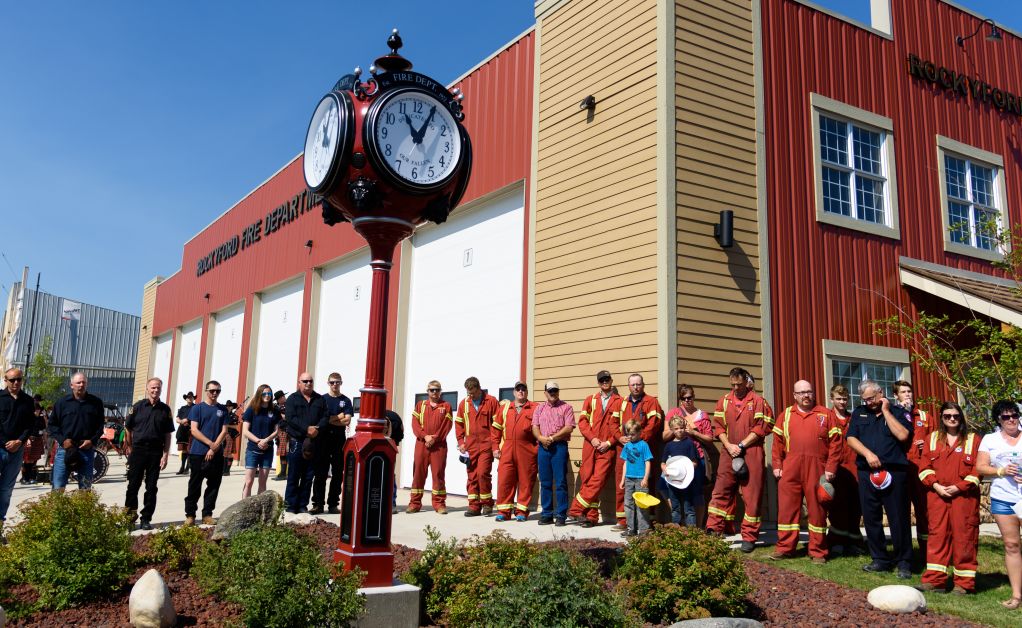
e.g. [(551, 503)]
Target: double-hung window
[(854, 163), (972, 199)]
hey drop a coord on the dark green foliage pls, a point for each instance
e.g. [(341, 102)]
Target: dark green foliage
[(70, 547), (558, 588), (177, 546), (280, 580), (675, 573), (496, 580)]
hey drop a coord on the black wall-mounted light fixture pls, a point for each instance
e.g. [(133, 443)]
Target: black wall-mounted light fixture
[(206, 296), (724, 231), (995, 33), (308, 244), (589, 102)]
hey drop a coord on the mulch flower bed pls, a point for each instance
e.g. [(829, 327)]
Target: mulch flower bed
[(781, 598)]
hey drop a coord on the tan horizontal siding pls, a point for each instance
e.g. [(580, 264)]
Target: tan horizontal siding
[(719, 316), (143, 358)]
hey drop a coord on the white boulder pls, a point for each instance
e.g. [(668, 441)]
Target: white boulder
[(3, 617), (149, 605), (896, 598)]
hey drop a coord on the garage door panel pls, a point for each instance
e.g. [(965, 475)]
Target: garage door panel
[(277, 336), (465, 311), (186, 367), (225, 362)]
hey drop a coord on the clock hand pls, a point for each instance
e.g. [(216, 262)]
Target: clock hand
[(422, 131), (411, 128)]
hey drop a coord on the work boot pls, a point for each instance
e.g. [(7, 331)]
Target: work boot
[(486, 510), (208, 521), (184, 465), (189, 521), (316, 510)]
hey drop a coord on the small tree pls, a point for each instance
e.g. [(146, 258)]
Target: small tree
[(46, 380), (978, 358)]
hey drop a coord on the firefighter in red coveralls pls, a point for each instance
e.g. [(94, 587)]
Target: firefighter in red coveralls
[(431, 423), (948, 463), (844, 536), (516, 469), (472, 427), (646, 411), (922, 425), (741, 423), (807, 444), (600, 424)]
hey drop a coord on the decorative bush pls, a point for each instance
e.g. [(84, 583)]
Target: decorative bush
[(557, 588), (70, 547), (280, 580), (177, 546), (675, 573), (454, 576)]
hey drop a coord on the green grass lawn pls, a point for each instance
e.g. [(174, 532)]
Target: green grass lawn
[(983, 607)]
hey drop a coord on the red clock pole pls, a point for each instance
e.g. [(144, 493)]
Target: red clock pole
[(369, 457)]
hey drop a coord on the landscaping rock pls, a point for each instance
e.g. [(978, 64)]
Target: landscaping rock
[(3, 617), (301, 519), (896, 598), (149, 605), (718, 622), (252, 511)]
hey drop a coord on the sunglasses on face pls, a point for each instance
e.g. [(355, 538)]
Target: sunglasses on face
[(14, 380), (213, 391), (305, 381), (521, 389), (1009, 417), (951, 417), (687, 398), (335, 383), (268, 394), (433, 390), (553, 391), (603, 380)]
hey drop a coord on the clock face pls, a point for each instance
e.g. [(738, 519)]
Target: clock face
[(416, 139), (323, 141)]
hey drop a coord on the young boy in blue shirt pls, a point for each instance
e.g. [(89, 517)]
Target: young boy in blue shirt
[(684, 501), (637, 457)]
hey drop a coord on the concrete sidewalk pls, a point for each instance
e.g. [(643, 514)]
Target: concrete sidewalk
[(407, 529)]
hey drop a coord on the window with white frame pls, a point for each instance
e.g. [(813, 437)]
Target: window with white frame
[(854, 162), (972, 195), (850, 364)]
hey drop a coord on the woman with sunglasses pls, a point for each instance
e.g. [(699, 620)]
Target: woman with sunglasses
[(947, 468), (1000, 455), (697, 427), (259, 429)]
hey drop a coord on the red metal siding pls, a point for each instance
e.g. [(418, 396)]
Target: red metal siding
[(820, 276), (498, 112)]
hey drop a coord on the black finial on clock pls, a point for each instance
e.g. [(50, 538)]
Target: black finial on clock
[(394, 62)]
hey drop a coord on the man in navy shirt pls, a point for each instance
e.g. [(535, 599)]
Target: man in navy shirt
[(330, 448), (209, 435), (76, 423), (878, 433), (305, 416)]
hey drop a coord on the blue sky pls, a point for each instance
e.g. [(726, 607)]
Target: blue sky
[(127, 126)]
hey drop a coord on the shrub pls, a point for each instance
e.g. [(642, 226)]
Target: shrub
[(279, 578), (436, 550), (558, 588), (71, 548), (676, 573), (177, 546)]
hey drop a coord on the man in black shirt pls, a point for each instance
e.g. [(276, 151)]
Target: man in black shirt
[(76, 423), (17, 414), (304, 417), (878, 432), (149, 426)]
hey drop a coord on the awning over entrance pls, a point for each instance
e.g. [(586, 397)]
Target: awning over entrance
[(986, 295)]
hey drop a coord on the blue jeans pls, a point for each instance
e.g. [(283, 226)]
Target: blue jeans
[(61, 472), (684, 501), (553, 469), (301, 473), (10, 465)]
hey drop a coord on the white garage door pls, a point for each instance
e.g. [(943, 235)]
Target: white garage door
[(161, 361), (280, 328), (342, 327), (226, 328), (186, 368), (465, 312)]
